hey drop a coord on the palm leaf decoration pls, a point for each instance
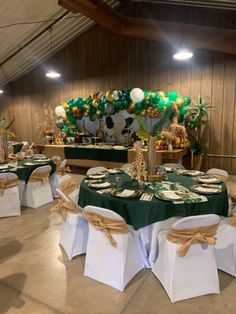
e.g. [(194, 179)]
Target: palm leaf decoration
[(5, 127), (164, 120)]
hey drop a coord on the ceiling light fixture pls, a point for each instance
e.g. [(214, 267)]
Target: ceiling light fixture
[(51, 73), (183, 54), (1, 91)]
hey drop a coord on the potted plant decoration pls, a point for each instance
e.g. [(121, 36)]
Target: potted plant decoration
[(196, 119)]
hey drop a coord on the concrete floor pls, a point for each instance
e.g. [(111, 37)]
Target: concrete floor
[(37, 278)]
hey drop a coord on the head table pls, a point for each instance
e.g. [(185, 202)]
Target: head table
[(140, 213)]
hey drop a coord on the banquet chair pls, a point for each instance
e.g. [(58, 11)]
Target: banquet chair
[(186, 264), (59, 176), (74, 231), (9, 195), (220, 173), (225, 249), (148, 235), (25, 146), (38, 191), (224, 177), (173, 165), (112, 257), (95, 170)]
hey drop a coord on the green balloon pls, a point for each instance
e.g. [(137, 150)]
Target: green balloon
[(155, 98), (161, 104), (172, 95), (183, 109), (80, 103), (187, 100)]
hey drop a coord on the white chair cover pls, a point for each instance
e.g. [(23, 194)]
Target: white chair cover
[(37, 193), (56, 179), (114, 266), (225, 249), (148, 239), (74, 232), (191, 275), (96, 170), (216, 171), (10, 200)]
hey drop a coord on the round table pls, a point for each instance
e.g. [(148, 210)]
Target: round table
[(24, 171), (142, 213)]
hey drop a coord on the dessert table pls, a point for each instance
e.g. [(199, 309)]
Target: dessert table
[(139, 213), (106, 155)]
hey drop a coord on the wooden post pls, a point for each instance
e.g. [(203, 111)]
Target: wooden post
[(151, 156)]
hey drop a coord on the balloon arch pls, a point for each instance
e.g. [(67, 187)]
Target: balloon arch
[(134, 101)]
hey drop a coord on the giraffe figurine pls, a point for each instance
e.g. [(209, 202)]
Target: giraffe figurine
[(138, 167), (176, 129)]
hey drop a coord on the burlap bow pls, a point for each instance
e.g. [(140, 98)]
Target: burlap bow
[(40, 176), (107, 225), (7, 184), (190, 236), (68, 185), (62, 170), (65, 207), (232, 221)]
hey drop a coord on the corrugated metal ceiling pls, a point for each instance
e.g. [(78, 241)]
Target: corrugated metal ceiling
[(215, 4), (25, 38), (24, 46)]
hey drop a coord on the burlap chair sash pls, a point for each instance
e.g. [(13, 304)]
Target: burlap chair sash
[(190, 236), (221, 177), (232, 221), (40, 176), (65, 207), (63, 170), (107, 225), (4, 185), (68, 186)]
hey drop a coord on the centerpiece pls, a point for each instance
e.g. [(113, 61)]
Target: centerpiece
[(4, 133)]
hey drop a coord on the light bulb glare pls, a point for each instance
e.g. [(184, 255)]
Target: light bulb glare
[(53, 74), (1, 91), (183, 55)]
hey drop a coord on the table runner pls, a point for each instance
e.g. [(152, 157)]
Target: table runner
[(140, 213)]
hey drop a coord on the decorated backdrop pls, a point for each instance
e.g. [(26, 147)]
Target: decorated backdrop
[(146, 104)]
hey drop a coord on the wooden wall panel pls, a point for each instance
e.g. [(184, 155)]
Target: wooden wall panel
[(99, 60)]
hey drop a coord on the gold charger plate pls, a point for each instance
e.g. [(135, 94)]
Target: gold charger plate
[(211, 189), (191, 173), (136, 194), (211, 179), (163, 197), (99, 186)]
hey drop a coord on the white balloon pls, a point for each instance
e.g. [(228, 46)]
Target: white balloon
[(60, 111), (136, 95)]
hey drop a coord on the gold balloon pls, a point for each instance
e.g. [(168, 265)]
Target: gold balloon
[(179, 102), (109, 95), (143, 112), (95, 103), (65, 106), (161, 94)]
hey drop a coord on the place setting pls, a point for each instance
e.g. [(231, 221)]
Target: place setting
[(207, 179), (191, 173), (206, 188)]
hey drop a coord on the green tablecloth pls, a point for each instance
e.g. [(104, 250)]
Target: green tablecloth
[(142, 213), (25, 172), (96, 154)]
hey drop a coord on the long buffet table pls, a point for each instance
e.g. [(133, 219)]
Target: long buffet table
[(88, 156)]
